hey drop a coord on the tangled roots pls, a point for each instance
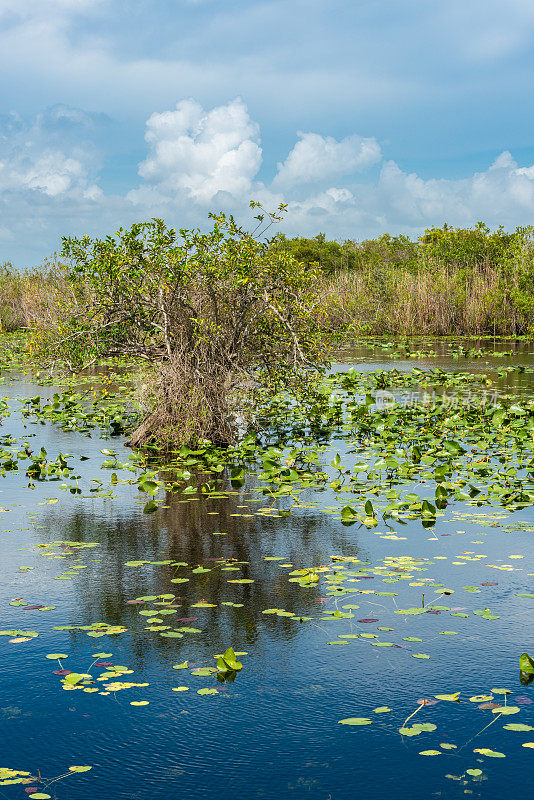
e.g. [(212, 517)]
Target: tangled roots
[(189, 406)]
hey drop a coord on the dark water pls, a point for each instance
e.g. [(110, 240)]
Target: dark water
[(274, 732)]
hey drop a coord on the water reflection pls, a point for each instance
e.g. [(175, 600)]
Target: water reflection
[(184, 531)]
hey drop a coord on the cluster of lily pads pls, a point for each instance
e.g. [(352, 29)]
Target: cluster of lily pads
[(419, 457), (38, 789)]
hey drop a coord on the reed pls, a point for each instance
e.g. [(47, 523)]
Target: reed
[(32, 297), (438, 300)]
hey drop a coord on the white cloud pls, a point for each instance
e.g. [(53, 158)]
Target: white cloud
[(200, 153), (200, 160), (503, 194), (317, 158), (33, 157)]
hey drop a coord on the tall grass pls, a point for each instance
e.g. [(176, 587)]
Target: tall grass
[(33, 296), (449, 281), (439, 300)]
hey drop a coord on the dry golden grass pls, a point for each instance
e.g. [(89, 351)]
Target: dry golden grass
[(437, 300), (36, 296)]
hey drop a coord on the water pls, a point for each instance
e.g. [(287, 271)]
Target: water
[(274, 732)]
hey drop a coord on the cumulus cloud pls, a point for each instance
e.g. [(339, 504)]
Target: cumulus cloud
[(503, 194), (200, 153), (199, 160), (48, 155), (317, 158)]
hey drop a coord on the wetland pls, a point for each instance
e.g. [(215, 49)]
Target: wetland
[(338, 606)]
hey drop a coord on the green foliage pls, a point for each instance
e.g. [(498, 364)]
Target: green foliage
[(467, 247), (226, 311), (225, 295), (328, 256), (228, 665), (526, 664)]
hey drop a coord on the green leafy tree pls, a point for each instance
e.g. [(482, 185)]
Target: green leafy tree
[(225, 310)]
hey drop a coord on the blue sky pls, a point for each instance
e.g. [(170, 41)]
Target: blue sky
[(364, 117)]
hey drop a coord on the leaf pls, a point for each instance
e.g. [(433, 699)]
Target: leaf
[(381, 710), (369, 510), (484, 751), (517, 726), (420, 655), (410, 611), (79, 769), (75, 678), (526, 664), (348, 514), (56, 656), (207, 691), (430, 753), (506, 710), (139, 703), (203, 671), (453, 698), (355, 721), (474, 772)]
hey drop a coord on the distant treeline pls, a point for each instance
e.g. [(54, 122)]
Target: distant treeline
[(454, 247), (448, 281)]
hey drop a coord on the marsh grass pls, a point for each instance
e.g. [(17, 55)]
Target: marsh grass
[(32, 297), (438, 299)]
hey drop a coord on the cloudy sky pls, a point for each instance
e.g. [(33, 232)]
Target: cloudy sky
[(363, 116)]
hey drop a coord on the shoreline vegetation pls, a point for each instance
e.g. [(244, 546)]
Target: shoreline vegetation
[(210, 354), (236, 320), (449, 281)]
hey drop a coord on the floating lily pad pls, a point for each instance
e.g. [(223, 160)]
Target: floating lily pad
[(484, 751)]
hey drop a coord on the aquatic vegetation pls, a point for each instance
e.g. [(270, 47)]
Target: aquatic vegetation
[(38, 790), (228, 665), (379, 593)]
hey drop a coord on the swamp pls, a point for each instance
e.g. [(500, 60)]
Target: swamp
[(204, 626)]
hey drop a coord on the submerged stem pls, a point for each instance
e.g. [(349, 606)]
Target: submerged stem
[(498, 716), (412, 715)]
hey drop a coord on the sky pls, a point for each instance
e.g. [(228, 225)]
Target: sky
[(363, 117)]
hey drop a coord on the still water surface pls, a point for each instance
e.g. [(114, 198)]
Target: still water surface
[(274, 732)]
